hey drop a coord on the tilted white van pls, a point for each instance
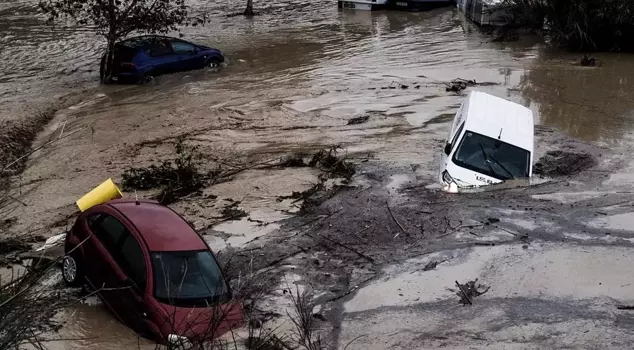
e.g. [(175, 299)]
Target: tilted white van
[(491, 141)]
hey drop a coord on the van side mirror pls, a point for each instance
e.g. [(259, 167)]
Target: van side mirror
[(447, 148)]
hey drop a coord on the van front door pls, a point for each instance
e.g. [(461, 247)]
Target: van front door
[(449, 147)]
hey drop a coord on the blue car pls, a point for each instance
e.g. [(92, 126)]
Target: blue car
[(144, 57)]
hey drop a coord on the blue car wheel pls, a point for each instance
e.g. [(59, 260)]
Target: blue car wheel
[(213, 62)]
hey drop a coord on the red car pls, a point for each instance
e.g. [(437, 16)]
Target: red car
[(152, 270)]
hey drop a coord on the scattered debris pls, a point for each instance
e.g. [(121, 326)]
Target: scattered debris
[(232, 212), (395, 85), (469, 291), (332, 164), (562, 163), (176, 179), (588, 61), (181, 177), (52, 242), (6, 223), (504, 34), (358, 120), (459, 84), (327, 161), (20, 244), (492, 221), (394, 218), (265, 341), (371, 260), (301, 195), (431, 265), (293, 161), (11, 248)]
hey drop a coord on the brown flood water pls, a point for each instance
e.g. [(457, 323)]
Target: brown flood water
[(295, 75)]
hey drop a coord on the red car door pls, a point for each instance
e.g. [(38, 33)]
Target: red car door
[(132, 271), (100, 250)]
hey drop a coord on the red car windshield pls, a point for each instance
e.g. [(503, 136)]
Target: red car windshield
[(191, 278)]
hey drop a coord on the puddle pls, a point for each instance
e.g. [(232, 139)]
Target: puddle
[(397, 182), (530, 225), (239, 233), (543, 271), (540, 294), (415, 286), (9, 274), (93, 327), (623, 222), (572, 197)]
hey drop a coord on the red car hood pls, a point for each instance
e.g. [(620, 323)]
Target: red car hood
[(201, 323)]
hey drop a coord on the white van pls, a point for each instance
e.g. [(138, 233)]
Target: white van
[(491, 141), (368, 5)]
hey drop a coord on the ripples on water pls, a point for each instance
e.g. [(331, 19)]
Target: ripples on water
[(313, 45)]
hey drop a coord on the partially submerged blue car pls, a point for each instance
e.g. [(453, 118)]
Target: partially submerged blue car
[(143, 57)]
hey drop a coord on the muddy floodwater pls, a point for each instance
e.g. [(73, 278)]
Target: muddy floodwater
[(295, 75)]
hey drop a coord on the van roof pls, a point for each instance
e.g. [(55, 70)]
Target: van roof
[(488, 115)]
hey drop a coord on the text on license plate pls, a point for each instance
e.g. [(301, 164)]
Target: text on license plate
[(404, 4)]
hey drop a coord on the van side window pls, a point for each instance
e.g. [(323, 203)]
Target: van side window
[(132, 261), (455, 137)]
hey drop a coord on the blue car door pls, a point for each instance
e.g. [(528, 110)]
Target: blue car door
[(188, 57), (163, 60)]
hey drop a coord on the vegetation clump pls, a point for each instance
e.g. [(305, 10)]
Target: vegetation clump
[(332, 164), (176, 178), (585, 25)]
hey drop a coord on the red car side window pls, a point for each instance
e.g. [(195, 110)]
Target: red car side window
[(108, 230), (132, 261)]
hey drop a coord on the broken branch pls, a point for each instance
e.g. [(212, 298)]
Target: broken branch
[(464, 293), (394, 218), (350, 249)]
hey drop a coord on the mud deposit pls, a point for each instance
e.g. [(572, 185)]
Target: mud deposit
[(377, 245)]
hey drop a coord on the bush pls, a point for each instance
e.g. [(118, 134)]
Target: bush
[(588, 25), (177, 178)]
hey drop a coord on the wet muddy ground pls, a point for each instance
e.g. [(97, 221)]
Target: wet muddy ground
[(556, 261)]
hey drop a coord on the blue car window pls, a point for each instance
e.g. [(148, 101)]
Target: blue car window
[(159, 48), (181, 47)]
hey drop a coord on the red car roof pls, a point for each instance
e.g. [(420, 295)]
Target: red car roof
[(162, 228)]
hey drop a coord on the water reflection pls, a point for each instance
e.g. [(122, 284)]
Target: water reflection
[(91, 326), (590, 103)]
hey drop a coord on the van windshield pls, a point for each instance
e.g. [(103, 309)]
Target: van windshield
[(492, 157), (188, 279)]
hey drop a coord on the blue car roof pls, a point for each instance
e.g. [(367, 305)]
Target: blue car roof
[(143, 40)]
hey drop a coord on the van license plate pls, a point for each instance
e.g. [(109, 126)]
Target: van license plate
[(403, 4)]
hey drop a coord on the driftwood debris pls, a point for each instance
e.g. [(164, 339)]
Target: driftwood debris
[(470, 290)]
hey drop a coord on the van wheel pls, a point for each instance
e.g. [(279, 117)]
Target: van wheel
[(71, 270)]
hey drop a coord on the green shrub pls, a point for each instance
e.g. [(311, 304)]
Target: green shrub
[(588, 25)]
